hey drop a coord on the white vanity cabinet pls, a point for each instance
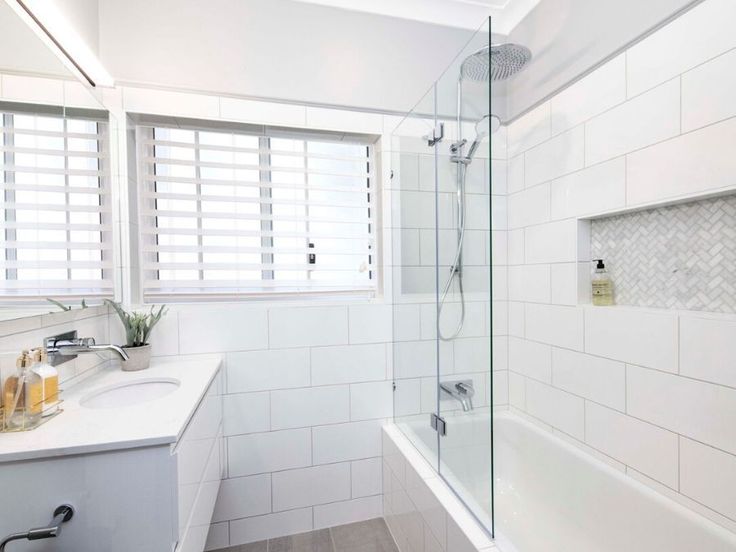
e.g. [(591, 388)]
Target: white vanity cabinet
[(128, 496)]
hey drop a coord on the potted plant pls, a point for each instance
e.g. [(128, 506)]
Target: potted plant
[(138, 326)]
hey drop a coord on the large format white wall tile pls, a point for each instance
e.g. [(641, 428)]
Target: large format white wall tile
[(563, 278), (633, 335), (342, 442), (664, 54), (366, 477), (708, 92), (242, 497), (370, 323), (515, 239), (246, 413), (561, 410), (218, 536), (561, 155), (529, 283), (515, 177), (371, 400), (269, 452), (556, 325), (408, 172), (415, 359), (498, 177), (593, 94), (594, 190), (697, 162), (531, 359), (349, 511), (640, 122), (472, 354), (415, 210), (310, 407), (528, 207), (707, 349), (348, 364), (309, 486), (408, 397), (702, 411), (517, 391), (220, 330), (708, 475), (554, 242), (644, 447), (266, 370), (529, 130), (308, 326), (270, 526), (595, 378)]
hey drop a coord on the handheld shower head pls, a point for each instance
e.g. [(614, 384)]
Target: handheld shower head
[(487, 125)]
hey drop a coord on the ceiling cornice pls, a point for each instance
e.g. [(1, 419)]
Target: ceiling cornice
[(466, 14)]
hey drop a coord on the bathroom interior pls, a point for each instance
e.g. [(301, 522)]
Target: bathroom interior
[(344, 276)]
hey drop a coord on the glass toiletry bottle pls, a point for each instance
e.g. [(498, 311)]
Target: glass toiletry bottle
[(12, 396), (49, 381), (602, 285), (27, 402)]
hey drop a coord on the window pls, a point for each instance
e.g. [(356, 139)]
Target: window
[(56, 208), (235, 212)]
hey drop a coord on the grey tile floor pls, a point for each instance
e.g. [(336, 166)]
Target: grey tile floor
[(364, 536)]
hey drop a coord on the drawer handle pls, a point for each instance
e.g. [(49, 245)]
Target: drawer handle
[(62, 514)]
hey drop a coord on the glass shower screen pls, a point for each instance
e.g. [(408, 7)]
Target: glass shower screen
[(442, 255)]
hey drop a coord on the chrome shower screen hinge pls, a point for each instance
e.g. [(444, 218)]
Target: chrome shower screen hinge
[(438, 133), (438, 424)]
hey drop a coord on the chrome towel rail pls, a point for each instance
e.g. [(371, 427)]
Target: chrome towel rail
[(62, 514)]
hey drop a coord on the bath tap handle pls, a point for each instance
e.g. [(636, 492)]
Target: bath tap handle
[(62, 514), (463, 388)]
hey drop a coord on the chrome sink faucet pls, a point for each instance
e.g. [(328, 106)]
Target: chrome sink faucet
[(461, 390), (68, 345)]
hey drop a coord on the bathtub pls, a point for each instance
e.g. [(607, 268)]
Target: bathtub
[(552, 497)]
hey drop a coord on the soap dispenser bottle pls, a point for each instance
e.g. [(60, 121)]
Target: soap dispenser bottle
[(25, 395), (49, 380), (602, 285)]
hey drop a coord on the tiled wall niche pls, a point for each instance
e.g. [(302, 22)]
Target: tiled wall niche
[(676, 257)]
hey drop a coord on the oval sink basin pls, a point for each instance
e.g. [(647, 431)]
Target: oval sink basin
[(130, 393)]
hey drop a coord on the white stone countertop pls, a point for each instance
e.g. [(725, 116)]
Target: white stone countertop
[(81, 430)]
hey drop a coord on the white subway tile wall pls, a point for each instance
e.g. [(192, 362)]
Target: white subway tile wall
[(650, 390)]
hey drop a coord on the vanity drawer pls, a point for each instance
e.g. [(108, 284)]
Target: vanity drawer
[(196, 452)]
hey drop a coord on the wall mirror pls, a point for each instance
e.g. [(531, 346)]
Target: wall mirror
[(56, 215)]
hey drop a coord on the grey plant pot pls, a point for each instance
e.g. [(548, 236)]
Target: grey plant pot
[(139, 358)]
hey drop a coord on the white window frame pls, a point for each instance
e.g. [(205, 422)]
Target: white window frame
[(143, 141)]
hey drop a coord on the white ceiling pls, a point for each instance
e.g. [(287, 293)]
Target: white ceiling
[(466, 14)]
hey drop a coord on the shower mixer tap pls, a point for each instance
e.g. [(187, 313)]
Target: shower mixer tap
[(461, 390)]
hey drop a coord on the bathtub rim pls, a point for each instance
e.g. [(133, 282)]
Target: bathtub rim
[(555, 438)]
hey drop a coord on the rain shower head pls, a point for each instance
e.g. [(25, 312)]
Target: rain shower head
[(500, 61)]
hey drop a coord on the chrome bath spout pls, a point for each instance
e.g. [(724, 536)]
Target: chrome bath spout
[(461, 391)]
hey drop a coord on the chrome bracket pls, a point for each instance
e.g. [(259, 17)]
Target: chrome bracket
[(438, 133), (438, 424)]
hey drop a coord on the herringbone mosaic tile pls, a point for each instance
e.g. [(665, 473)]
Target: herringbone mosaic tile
[(678, 257)]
